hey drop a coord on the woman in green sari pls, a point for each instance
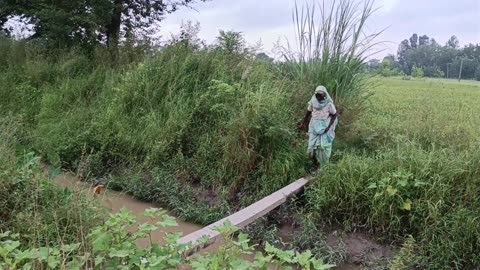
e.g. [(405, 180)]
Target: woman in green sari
[(322, 118)]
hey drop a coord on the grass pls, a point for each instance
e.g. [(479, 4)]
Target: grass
[(412, 169), (331, 47), (138, 121), (31, 205)]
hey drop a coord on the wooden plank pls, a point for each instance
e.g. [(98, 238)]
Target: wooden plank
[(247, 215)]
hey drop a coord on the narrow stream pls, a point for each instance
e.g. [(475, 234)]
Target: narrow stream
[(114, 201)]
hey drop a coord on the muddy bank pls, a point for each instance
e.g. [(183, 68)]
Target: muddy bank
[(358, 250)]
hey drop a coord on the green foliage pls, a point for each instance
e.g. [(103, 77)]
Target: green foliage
[(113, 245), (232, 42), (436, 60), (433, 72), (407, 257), (143, 117), (417, 72), (80, 23), (38, 209)]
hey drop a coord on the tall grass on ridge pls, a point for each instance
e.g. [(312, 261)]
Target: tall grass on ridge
[(331, 48)]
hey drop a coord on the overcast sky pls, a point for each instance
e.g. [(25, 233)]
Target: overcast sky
[(269, 20)]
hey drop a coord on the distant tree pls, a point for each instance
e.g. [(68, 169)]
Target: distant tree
[(387, 66), (471, 51), (453, 42), (437, 61), (403, 48), (374, 65), (423, 56), (232, 42), (444, 59), (264, 56), (189, 35), (477, 73), (417, 72), (390, 58), (414, 41), (423, 40), (433, 71), (74, 22)]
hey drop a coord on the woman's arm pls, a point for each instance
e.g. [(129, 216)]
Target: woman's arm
[(333, 117), (306, 119)]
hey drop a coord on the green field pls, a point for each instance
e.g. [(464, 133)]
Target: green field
[(412, 167)]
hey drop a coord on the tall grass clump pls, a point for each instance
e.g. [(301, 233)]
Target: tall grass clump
[(192, 115), (331, 49), (216, 121), (31, 204)]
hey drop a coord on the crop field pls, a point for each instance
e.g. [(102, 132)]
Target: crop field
[(412, 168)]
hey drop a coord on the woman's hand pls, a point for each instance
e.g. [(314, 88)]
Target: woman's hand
[(333, 117), (302, 126)]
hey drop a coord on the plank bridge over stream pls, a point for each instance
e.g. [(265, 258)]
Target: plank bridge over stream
[(245, 216)]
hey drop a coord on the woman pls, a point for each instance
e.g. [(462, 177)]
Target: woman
[(322, 117)]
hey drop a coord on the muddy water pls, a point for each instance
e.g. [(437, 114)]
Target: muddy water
[(115, 201)]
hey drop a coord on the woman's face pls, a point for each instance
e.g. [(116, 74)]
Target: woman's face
[(320, 97)]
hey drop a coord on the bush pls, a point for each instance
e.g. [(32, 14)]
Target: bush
[(434, 72), (111, 245), (417, 72), (32, 205)]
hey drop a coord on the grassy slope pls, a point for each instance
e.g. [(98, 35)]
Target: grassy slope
[(413, 168)]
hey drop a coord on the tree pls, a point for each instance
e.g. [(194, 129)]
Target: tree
[(477, 73), (373, 65), (417, 72), (453, 42), (189, 35), (472, 51), (387, 66), (264, 56), (390, 58), (403, 48), (414, 41), (72, 22), (62, 23), (136, 14), (231, 42), (423, 40)]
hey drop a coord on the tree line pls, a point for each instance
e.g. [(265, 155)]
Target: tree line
[(424, 56), (87, 23)]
